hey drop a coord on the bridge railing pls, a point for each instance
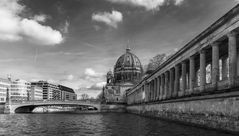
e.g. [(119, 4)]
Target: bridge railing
[(55, 101)]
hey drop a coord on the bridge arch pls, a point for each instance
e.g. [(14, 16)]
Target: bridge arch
[(29, 106), (78, 107)]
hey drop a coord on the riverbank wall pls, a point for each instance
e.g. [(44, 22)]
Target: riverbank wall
[(217, 111), (113, 108)]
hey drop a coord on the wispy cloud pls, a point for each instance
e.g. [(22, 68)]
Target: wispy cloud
[(15, 28), (63, 53), (11, 60), (147, 4), (65, 27), (112, 19)]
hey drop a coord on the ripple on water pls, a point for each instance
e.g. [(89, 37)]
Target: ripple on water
[(108, 124)]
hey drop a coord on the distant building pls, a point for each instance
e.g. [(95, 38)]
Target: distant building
[(127, 72), (20, 90), (4, 85), (50, 91), (67, 93), (36, 93)]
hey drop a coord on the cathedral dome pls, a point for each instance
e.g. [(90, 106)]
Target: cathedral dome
[(128, 68)]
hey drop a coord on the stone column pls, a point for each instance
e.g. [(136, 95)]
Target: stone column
[(158, 90), (237, 63), (148, 87), (161, 87), (215, 63), (152, 92), (176, 81), (155, 89), (166, 85), (146, 93), (149, 90), (224, 68), (171, 85), (202, 70), (184, 72), (192, 76), (232, 53)]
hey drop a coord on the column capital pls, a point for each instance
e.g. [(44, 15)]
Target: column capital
[(171, 69), (183, 62), (215, 43), (232, 34), (192, 57), (177, 65), (202, 51)]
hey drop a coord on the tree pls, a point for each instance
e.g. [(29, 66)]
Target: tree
[(155, 62), (84, 96), (100, 96)]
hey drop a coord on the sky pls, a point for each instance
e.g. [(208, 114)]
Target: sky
[(75, 42)]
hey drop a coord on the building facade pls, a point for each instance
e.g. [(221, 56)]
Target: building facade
[(50, 91), (128, 71), (36, 93), (67, 93), (20, 90), (4, 85)]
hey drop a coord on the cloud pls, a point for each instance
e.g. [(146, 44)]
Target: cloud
[(147, 4), (92, 79), (40, 18), (112, 19), (15, 28), (178, 2), (44, 35), (97, 86), (89, 72), (70, 77)]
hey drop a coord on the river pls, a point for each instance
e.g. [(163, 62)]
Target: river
[(107, 124)]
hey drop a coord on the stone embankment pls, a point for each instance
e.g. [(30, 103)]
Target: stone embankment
[(220, 113)]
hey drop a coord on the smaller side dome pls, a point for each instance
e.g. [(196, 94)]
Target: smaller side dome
[(109, 77)]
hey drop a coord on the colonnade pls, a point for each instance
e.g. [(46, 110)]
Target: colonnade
[(191, 76)]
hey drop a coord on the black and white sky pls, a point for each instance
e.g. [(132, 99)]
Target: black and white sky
[(75, 42)]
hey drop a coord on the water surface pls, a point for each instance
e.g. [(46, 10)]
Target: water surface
[(107, 124)]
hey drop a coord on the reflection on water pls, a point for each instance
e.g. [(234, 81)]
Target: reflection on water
[(108, 124)]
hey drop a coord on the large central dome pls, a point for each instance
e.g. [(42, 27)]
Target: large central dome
[(128, 68)]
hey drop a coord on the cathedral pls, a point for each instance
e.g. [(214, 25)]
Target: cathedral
[(127, 72)]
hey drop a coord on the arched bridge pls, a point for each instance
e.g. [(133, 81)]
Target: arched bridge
[(29, 106)]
